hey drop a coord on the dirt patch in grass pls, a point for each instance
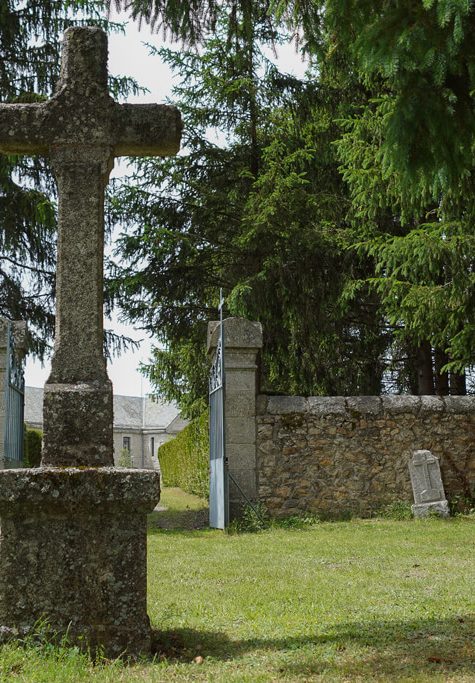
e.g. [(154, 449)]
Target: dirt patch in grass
[(179, 510)]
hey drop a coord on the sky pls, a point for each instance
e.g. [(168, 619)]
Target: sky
[(129, 56)]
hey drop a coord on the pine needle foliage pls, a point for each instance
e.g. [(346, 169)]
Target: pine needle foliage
[(254, 204)]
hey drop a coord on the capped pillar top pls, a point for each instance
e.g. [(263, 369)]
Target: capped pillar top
[(239, 333), (84, 59)]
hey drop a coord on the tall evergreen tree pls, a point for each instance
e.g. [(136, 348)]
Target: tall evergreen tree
[(404, 125), (260, 211)]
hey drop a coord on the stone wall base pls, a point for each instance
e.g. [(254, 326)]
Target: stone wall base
[(73, 553)]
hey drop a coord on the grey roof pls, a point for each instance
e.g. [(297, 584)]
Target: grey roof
[(177, 424), (131, 412)]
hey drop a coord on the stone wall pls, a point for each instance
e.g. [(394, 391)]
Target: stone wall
[(337, 456)]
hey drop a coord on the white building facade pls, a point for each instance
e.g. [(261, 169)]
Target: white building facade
[(141, 425)]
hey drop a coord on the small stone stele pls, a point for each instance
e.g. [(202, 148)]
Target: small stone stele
[(427, 486)]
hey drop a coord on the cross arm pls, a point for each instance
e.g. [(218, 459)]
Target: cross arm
[(147, 130), (22, 129)]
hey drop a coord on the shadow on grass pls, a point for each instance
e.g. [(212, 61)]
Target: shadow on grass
[(391, 648), (174, 520)]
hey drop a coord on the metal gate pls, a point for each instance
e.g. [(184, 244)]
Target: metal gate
[(218, 483), (14, 405)]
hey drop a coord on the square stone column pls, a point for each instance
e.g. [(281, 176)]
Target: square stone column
[(242, 344)]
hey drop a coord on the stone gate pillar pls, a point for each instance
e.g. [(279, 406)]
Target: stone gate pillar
[(242, 343)]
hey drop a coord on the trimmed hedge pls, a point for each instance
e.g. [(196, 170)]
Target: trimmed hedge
[(184, 461), (32, 447)]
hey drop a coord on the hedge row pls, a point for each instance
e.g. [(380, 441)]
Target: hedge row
[(32, 447), (184, 461)]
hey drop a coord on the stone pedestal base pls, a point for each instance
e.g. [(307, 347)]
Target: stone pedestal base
[(73, 553), (439, 507)]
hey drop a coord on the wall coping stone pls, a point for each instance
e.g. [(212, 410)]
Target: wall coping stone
[(326, 405), (459, 404), (282, 405), (432, 404), (364, 405)]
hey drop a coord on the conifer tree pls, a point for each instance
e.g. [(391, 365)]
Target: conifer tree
[(260, 211)]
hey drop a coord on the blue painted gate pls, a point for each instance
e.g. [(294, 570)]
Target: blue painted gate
[(218, 485), (14, 404)]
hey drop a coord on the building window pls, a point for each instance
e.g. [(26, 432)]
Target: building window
[(152, 446), (126, 443)]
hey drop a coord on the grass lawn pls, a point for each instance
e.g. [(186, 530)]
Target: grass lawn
[(364, 600)]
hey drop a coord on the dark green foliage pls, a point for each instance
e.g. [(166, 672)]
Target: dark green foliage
[(32, 447), (255, 204), (421, 58), (405, 152), (399, 510), (253, 518), (337, 210), (194, 21), (184, 461)]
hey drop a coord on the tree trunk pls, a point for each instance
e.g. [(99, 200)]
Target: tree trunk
[(441, 378), (425, 373), (458, 384)]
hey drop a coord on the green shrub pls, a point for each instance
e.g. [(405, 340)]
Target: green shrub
[(125, 458), (184, 461), (32, 447), (398, 510), (306, 520), (461, 505), (253, 518)]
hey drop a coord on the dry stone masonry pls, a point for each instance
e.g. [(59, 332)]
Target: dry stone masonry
[(73, 543), (337, 456)]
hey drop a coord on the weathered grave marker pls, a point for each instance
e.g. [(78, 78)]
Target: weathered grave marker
[(427, 486), (76, 526)]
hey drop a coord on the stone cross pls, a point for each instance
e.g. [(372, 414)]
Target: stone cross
[(76, 527), (427, 486), (81, 129)]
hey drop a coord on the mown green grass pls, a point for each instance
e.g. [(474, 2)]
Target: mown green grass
[(364, 600)]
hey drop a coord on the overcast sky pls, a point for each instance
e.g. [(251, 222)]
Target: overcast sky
[(128, 56)]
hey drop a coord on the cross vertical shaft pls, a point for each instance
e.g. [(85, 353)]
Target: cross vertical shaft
[(79, 316), (78, 394)]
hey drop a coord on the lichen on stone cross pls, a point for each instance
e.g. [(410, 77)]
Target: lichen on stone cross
[(81, 129)]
